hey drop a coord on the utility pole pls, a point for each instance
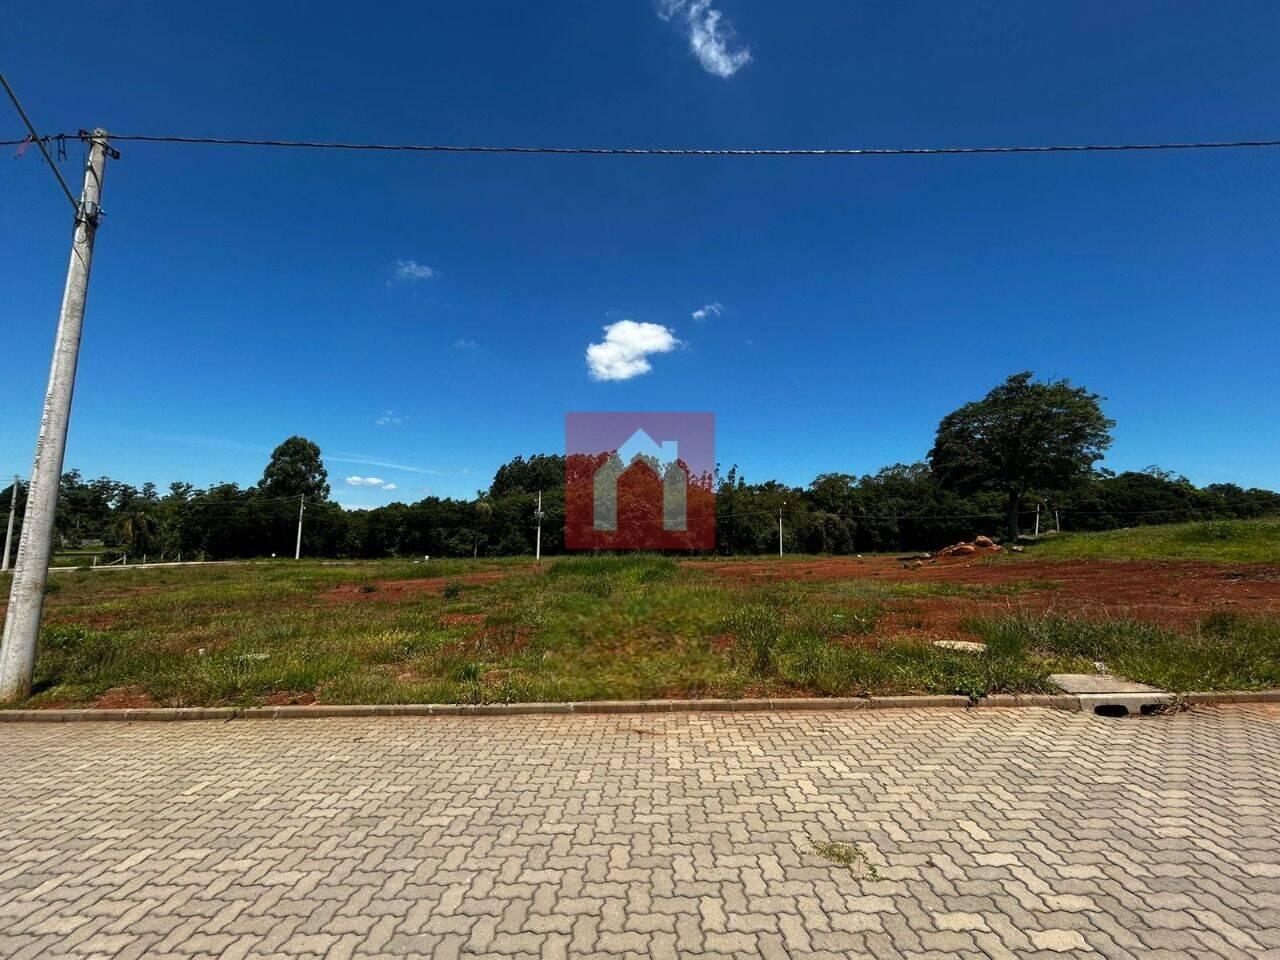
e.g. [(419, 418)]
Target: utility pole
[(538, 549), (1037, 519), (8, 534), (1057, 527), (297, 550), (26, 596), (784, 503)]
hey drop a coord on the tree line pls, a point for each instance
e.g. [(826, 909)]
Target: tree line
[(1026, 446)]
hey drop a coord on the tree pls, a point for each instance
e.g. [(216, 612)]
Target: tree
[(1022, 436), (138, 528), (540, 472), (295, 470)]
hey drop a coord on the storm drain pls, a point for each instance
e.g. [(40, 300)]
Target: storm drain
[(1107, 695)]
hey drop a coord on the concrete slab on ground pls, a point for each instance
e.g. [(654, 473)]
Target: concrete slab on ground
[(1100, 683), (965, 646)]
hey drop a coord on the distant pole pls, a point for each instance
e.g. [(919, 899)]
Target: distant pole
[(538, 549), (784, 503), (8, 534), (1057, 527), (1037, 519), (35, 546), (297, 550)]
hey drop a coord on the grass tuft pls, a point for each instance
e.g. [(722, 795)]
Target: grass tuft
[(848, 855)]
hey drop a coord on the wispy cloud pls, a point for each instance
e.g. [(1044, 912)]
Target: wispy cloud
[(625, 350), (370, 482), (337, 456), (710, 310), (389, 418), (340, 456), (465, 344), (711, 37), (411, 271)]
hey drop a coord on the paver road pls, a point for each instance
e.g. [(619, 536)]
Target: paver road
[(993, 833)]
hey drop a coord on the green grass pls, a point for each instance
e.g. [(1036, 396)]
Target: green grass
[(1221, 652), (578, 628), (1216, 541)]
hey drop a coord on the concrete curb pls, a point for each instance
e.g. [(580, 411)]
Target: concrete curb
[(1231, 696), (1065, 702)]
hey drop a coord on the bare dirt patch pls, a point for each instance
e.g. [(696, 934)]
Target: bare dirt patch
[(400, 589), (288, 698), (123, 698), (1170, 593)]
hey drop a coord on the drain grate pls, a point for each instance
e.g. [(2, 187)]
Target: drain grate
[(1107, 695)]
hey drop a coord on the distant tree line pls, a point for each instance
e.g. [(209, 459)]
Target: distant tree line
[(1026, 444)]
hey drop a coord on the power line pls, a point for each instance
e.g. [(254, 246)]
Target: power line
[(679, 151), (39, 142), (899, 517)]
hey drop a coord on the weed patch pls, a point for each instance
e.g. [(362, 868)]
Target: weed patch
[(848, 855)]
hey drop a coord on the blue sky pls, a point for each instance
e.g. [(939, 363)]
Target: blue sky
[(426, 318)]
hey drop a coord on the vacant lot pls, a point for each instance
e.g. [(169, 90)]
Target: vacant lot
[(647, 626)]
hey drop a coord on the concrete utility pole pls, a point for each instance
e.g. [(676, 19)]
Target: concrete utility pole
[(26, 596), (8, 534), (297, 550), (538, 549), (784, 503)]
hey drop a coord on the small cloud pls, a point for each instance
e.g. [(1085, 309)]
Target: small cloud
[(388, 486), (465, 344), (710, 35), (364, 481), (390, 418), (624, 352), (710, 310), (411, 271)]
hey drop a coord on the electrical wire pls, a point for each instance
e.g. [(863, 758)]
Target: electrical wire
[(39, 142), (1065, 511), (681, 151)]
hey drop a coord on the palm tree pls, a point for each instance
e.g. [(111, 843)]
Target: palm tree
[(138, 528)]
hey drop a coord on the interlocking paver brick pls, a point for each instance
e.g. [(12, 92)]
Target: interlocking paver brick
[(994, 833)]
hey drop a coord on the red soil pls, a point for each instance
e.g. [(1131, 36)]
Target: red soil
[(399, 589), (1173, 594), (123, 698)]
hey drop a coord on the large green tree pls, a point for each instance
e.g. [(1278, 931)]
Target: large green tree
[(295, 470), (1024, 435)]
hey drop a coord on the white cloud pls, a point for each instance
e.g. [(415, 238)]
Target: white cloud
[(465, 344), (389, 418), (364, 481), (710, 35), (624, 352), (710, 310), (411, 270), (388, 486)]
